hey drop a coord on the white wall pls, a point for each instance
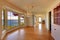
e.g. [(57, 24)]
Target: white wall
[(47, 20), (29, 20)]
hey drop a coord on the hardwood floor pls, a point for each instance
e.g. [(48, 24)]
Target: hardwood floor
[(37, 33)]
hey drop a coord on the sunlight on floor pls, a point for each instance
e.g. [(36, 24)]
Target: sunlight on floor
[(40, 26), (22, 31)]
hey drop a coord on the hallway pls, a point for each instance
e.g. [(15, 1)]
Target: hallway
[(30, 33)]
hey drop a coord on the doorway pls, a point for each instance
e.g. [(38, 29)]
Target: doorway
[(40, 20), (50, 21)]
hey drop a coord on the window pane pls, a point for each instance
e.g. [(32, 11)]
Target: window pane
[(12, 20)]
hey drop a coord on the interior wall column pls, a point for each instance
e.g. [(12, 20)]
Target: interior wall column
[(6, 20), (33, 19), (18, 20), (25, 20)]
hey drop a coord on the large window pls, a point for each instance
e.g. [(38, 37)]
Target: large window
[(12, 19)]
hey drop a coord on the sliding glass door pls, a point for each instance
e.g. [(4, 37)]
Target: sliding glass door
[(12, 19)]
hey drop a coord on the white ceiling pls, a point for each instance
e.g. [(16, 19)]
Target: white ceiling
[(33, 5)]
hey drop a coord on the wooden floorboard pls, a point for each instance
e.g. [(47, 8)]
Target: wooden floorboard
[(30, 33)]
